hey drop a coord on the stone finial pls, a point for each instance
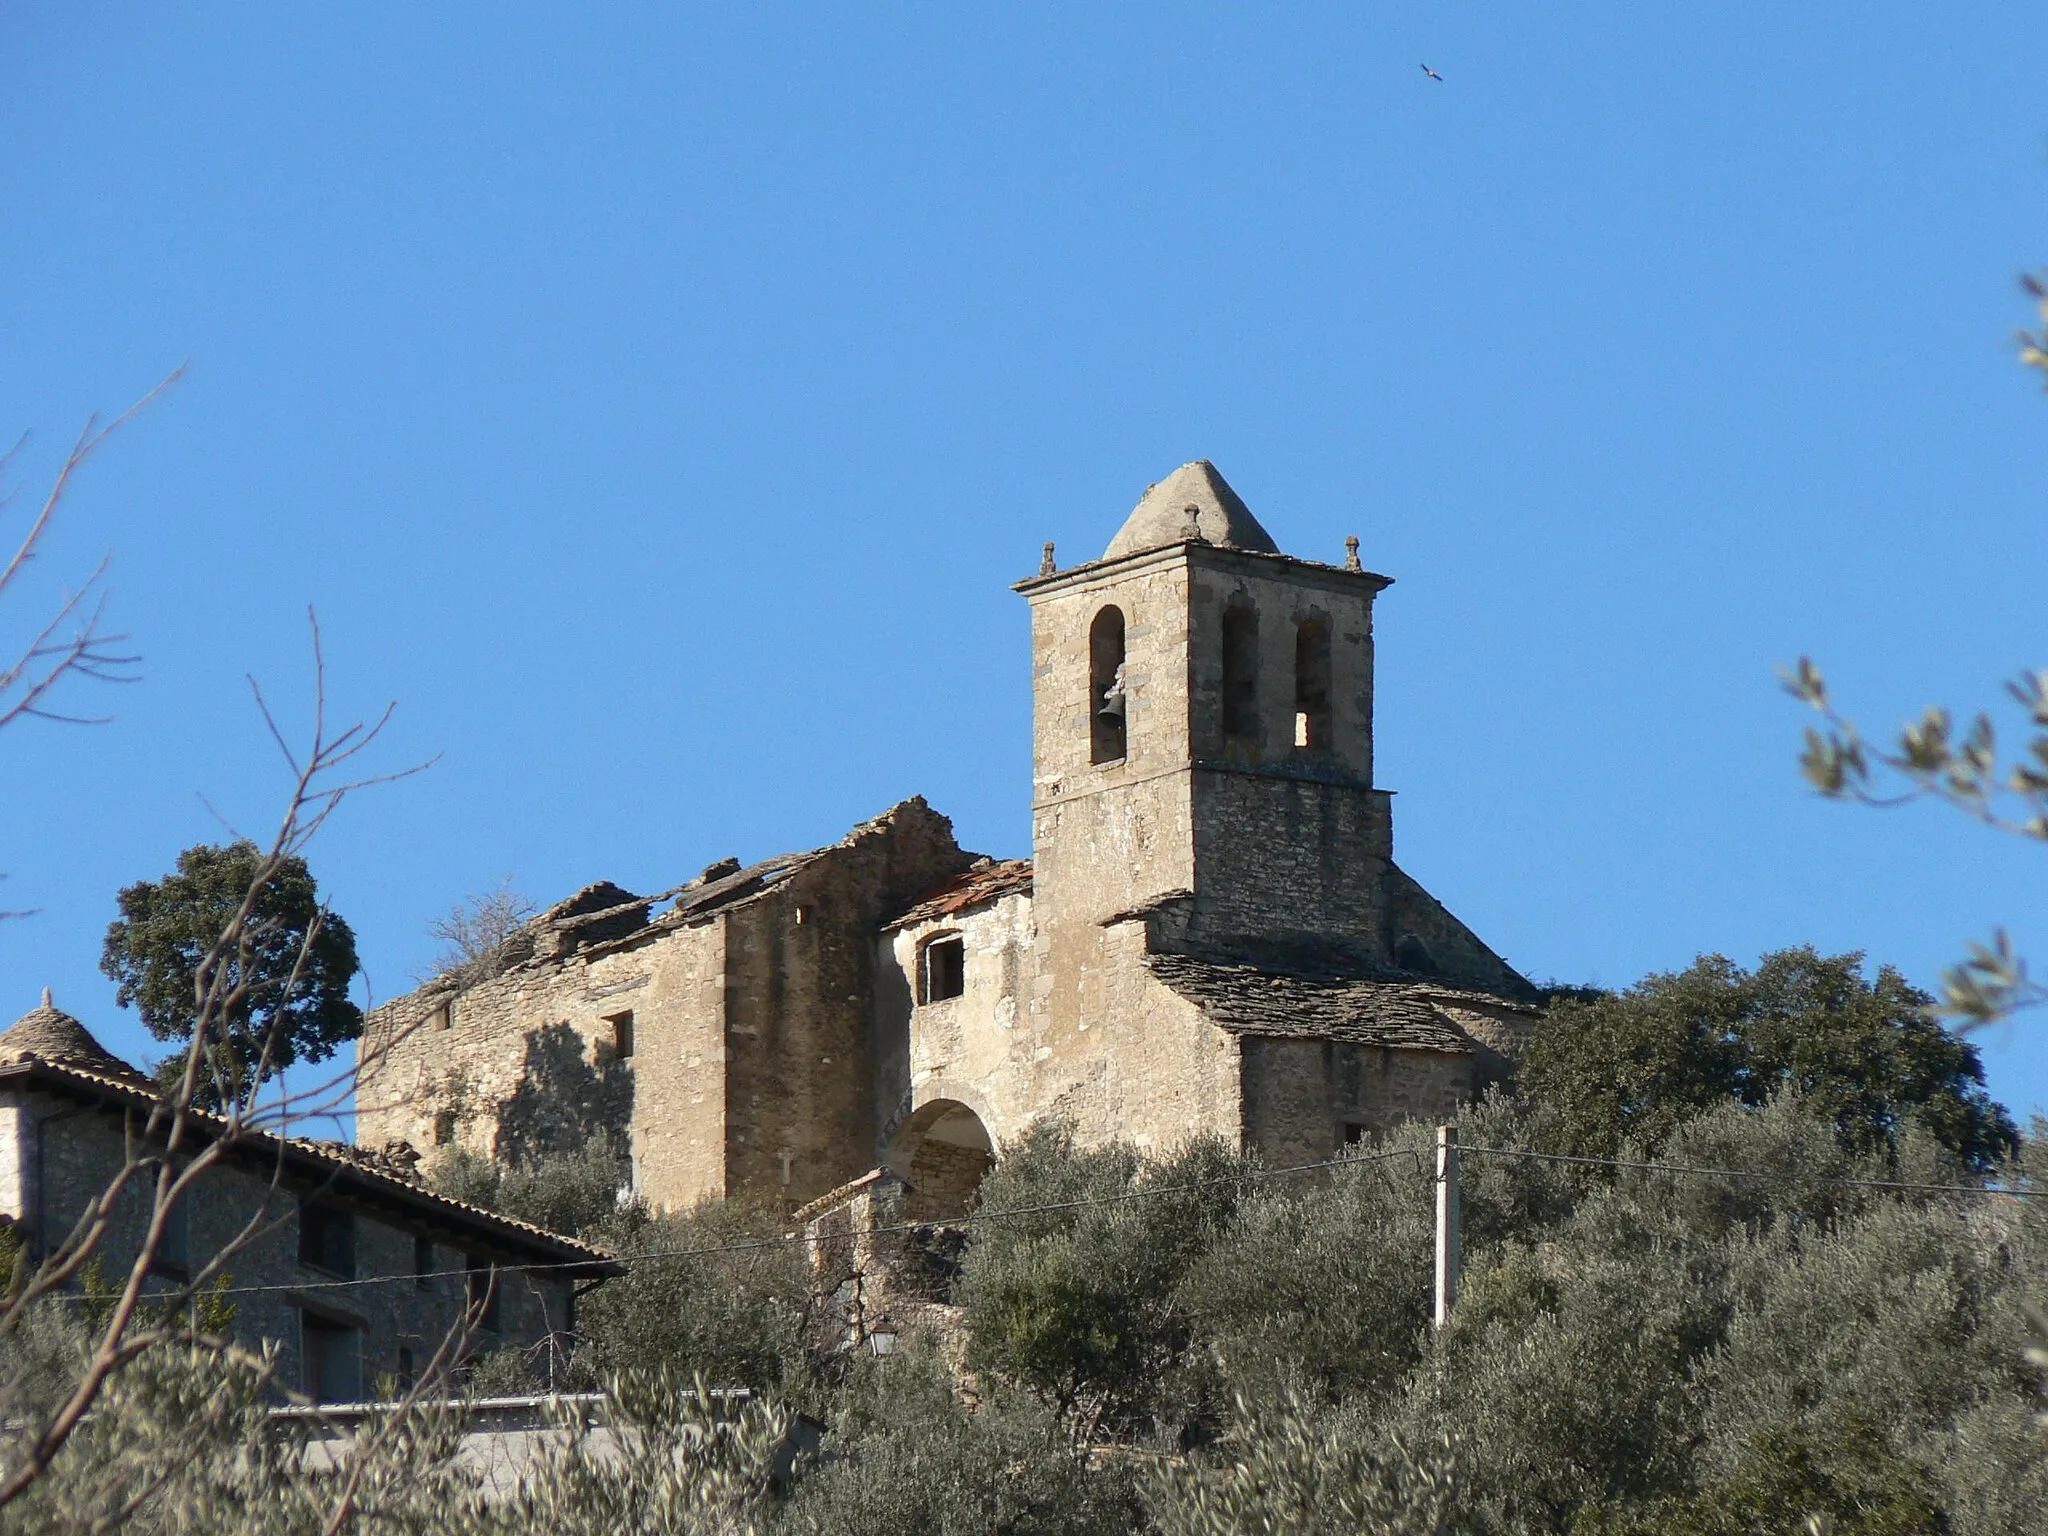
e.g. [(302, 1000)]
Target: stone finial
[(1191, 529), (1351, 553), (46, 999), (1045, 565)]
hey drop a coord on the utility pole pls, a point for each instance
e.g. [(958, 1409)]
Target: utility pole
[(1446, 1222)]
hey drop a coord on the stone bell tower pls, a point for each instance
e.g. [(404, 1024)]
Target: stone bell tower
[(1202, 743)]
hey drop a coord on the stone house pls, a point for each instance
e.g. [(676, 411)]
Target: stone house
[(346, 1261), (1211, 935)]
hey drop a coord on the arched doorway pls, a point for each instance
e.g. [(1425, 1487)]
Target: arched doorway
[(944, 1150)]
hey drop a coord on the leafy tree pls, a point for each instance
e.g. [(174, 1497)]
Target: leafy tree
[(1079, 1300), (282, 990), (1630, 1067), (907, 1456)]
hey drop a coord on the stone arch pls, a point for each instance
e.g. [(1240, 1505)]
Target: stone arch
[(944, 1150)]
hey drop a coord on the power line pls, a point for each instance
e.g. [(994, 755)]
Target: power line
[(1747, 1173), (755, 1245), (989, 1218)]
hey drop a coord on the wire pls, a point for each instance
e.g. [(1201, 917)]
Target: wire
[(1745, 1173), (984, 1218), (755, 1245)]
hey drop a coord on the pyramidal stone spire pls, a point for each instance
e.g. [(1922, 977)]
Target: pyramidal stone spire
[(1193, 503)]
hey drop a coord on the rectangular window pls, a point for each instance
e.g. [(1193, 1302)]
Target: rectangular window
[(622, 1035), (441, 1017), (330, 1359), (444, 1128), (174, 1252), (483, 1293), (327, 1238), (1356, 1135), (407, 1372), (941, 969), (423, 1262)]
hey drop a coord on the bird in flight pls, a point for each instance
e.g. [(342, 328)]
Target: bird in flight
[(1439, 79)]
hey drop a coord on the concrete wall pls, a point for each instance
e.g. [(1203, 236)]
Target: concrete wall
[(72, 1154)]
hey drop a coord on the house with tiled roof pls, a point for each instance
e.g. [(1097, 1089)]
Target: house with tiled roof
[(340, 1257), (1211, 936)]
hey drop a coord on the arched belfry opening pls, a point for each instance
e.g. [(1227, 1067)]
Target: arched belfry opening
[(944, 1151), (1240, 674), (1108, 706), (1312, 722)]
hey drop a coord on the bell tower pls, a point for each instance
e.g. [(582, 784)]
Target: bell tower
[(1202, 742)]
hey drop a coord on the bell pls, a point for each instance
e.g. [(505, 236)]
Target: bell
[(1112, 705)]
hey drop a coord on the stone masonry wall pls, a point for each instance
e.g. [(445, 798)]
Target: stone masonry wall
[(80, 1152), (441, 1068), (1301, 1094)]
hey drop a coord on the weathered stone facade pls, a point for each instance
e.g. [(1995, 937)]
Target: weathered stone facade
[(392, 1276), (1211, 935)]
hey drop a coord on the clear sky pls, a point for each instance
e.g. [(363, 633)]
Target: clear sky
[(656, 403)]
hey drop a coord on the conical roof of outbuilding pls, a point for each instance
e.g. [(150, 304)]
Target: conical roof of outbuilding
[(52, 1034), (1194, 502)]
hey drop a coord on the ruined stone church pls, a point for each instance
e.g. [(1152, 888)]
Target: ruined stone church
[(1211, 934)]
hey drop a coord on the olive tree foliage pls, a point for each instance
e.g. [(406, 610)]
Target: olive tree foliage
[(907, 1455), (186, 1443), (1932, 759), (1075, 1294), (1865, 1053)]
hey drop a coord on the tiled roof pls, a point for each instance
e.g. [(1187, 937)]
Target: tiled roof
[(1252, 1001), (347, 1173), (988, 881)]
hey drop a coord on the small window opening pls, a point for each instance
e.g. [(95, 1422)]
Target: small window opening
[(174, 1250), (622, 1034), (1108, 698), (330, 1359), (1312, 685), (423, 1262), (1355, 1134), (444, 1128), (483, 1293), (440, 1017), (1240, 674), (407, 1373), (941, 969), (1411, 954), (327, 1239)]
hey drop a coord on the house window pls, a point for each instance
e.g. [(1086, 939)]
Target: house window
[(327, 1238), (423, 1262), (941, 968), (483, 1293), (1108, 698), (622, 1034), (1240, 674), (1356, 1134), (440, 1017), (174, 1250), (1312, 685), (330, 1359), (408, 1373)]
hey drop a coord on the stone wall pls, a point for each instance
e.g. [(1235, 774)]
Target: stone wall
[(750, 1069), (67, 1155), (1301, 1096)]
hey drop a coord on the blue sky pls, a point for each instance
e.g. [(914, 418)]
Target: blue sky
[(657, 402)]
